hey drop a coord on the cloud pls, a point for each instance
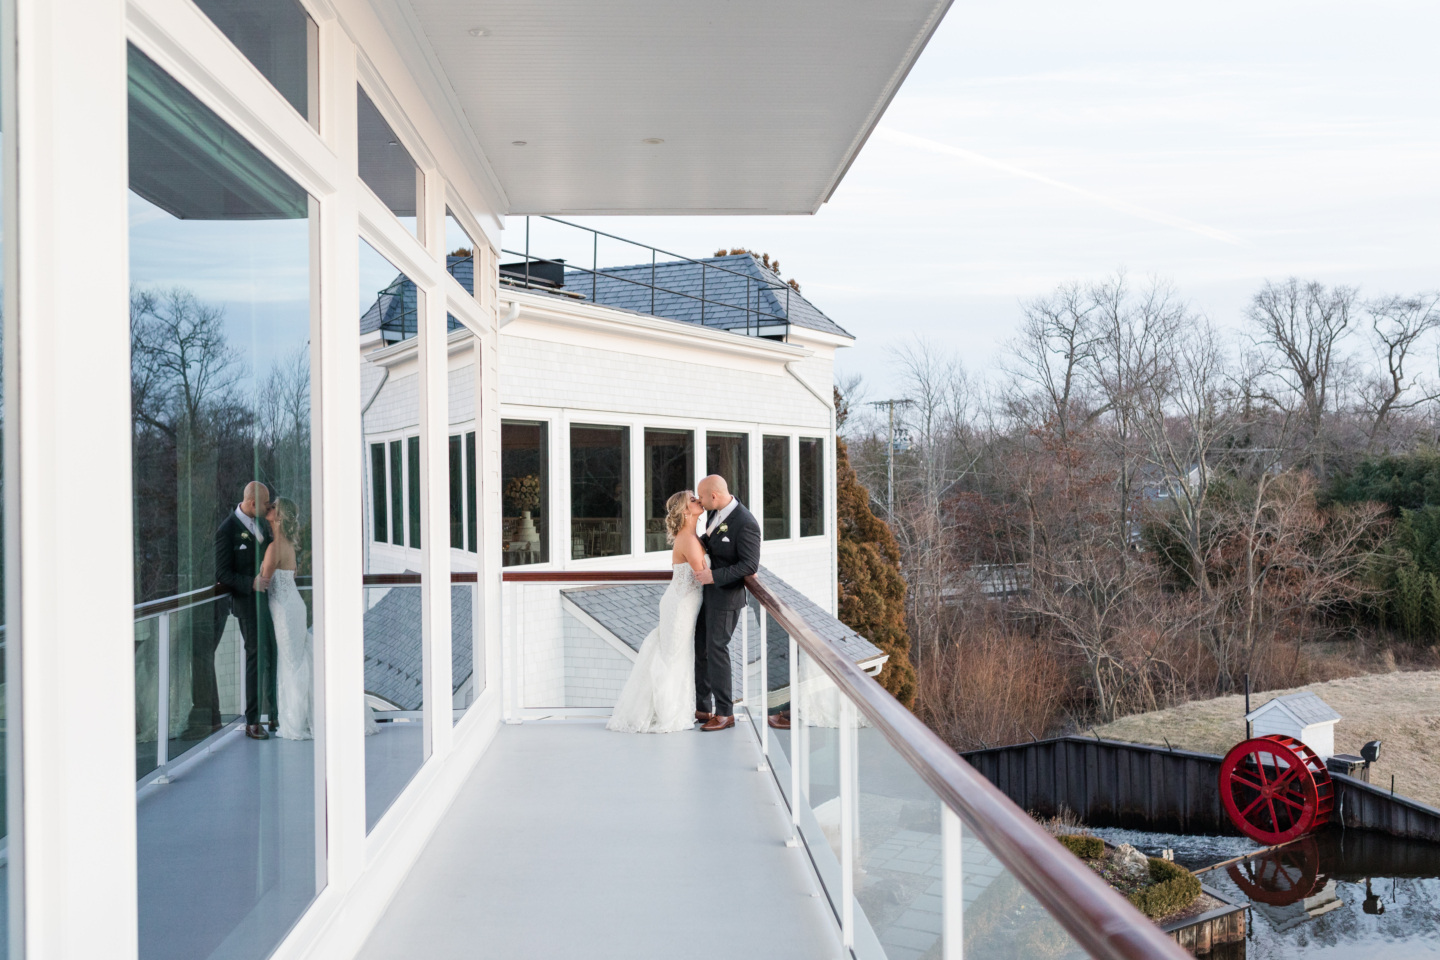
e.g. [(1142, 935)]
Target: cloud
[(900, 138)]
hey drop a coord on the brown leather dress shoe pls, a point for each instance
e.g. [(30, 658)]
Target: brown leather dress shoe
[(718, 722), (256, 732), (702, 716), (780, 721)]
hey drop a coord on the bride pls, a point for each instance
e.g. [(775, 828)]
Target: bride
[(287, 612), (659, 697)]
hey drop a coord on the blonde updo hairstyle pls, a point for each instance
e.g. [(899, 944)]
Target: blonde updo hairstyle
[(675, 517)]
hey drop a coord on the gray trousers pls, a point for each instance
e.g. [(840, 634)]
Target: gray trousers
[(713, 629)]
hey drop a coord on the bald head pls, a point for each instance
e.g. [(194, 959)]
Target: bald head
[(713, 492), (257, 499)]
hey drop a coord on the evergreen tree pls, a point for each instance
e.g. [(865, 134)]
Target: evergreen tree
[(872, 590)]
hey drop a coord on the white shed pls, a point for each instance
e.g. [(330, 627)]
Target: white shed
[(1303, 716)]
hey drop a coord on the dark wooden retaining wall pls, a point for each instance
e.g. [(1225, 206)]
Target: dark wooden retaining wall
[(1111, 783)]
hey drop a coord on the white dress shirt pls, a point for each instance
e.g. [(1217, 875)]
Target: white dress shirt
[(722, 513), (250, 525)]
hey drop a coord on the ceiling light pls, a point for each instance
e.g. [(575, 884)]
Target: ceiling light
[(478, 31), (517, 143), (652, 141)]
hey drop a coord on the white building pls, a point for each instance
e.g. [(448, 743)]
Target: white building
[(1303, 716), (239, 178)]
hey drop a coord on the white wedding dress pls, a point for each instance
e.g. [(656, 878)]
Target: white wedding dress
[(659, 697), (294, 666)]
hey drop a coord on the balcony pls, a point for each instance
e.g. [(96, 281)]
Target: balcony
[(854, 831)]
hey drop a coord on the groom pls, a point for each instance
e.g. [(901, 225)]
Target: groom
[(731, 537)]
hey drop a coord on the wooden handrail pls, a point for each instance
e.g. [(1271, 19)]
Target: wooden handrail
[(1099, 919)]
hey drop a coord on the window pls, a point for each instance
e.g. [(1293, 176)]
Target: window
[(281, 40), (812, 486), (669, 468), (414, 465), (381, 529), (395, 621), (387, 167), (397, 496), (460, 255), (221, 460), (599, 491), (728, 454), (462, 491), (775, 463), (457, 494), (525, 489), (471, 500)]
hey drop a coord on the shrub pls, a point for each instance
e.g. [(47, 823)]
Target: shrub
[(1086, 848), (1174, 888)]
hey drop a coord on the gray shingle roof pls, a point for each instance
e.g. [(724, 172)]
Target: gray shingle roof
[(392, 645), (744, 293), (1307, 707), (631, 610), (396, 307)]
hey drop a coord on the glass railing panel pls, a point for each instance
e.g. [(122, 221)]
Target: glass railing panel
[(147, 685), (816, 728), (898, 865), (467, 648), (1003, 920), (394, 727)]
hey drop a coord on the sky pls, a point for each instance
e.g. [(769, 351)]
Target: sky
[(1214, 145)]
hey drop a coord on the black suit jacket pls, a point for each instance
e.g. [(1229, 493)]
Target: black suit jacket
[(734, 555), (237, 560)]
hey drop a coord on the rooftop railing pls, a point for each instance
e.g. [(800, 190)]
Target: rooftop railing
[(917, 853), (713, 308)]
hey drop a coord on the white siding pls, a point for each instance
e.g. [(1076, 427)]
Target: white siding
[(542, 373)]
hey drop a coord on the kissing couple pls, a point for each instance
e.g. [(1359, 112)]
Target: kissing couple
[(716, 546)]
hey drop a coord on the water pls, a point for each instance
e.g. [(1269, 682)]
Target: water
[(1338, 895)]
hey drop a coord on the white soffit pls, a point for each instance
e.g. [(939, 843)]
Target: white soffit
[(761, 106)]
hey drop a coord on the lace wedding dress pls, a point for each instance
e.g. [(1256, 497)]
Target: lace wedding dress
[(294, 667), (659, 697)]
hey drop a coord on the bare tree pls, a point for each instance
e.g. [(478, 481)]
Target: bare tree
[(1057, 339), (1183, 425), (1300, 326), (1397, 326), (939, 456), (1130, 367)]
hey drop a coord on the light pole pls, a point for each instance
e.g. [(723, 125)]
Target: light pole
[(890, 453)]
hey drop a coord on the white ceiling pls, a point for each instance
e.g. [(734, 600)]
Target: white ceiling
[(762, 105)]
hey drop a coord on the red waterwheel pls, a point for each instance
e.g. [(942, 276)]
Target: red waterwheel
[(1281, 877), (1275, 789)]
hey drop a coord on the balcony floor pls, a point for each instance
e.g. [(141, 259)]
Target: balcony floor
[(569, 841)]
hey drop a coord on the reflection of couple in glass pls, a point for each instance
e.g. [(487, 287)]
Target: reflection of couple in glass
[(255, 555)]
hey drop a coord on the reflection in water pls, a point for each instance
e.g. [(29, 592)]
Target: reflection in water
[(1337, 894)]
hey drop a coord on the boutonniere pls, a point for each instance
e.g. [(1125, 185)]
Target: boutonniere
[(724, 527), (244, 536)]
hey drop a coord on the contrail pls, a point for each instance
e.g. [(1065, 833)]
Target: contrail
[(933, 146)]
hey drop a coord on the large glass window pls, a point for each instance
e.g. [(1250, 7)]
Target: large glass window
[(220, 325), (9, 652), (467, 646), (387, 167), (525, 493), (775, 466), (669, 468), (728, 454), (281, 40), (599, 491), (812, 486), (393, 649), (460, 258)]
